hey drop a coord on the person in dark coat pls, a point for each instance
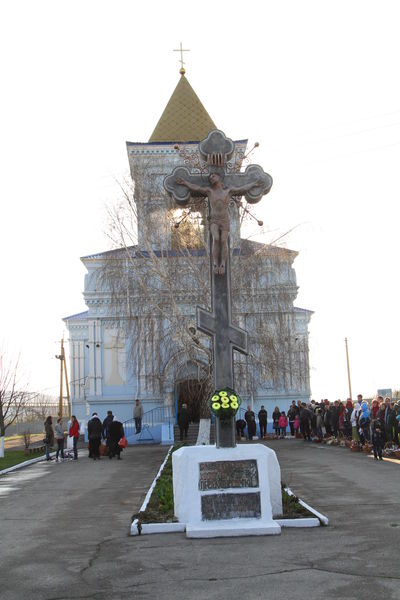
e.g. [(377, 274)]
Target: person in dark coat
[(380, 416), (49, 436), (305, 422), (106, 423), (250, 419), (95, 432), (292, 412), (276, 415), (334, 418), (262, 420), (115, 433), (240, 427), (347, 418), (389, 421), (396, 413), (378, 440), (183, 421)]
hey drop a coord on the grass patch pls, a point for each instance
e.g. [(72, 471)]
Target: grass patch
[(15, 457), (292, 509), (160, 508)]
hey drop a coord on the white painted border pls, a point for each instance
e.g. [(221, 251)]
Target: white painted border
[(26, 463), (323, 519), (305, 522), (153, 485), (150, 528)]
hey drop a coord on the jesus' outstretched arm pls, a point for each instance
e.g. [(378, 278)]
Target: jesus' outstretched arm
[(192, 186), (245, 188)]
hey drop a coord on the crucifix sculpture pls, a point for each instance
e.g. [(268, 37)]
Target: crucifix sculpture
[(220, 187)]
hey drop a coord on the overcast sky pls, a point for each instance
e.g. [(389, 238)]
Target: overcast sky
[(315, 82)]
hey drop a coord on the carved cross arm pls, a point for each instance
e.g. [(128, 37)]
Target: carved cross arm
[(182, 193), (254, 183)]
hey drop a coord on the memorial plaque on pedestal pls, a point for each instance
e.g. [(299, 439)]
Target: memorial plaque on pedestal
[(216, 507), (226, 474)]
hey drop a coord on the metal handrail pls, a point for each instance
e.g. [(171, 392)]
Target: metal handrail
[(157, 416), (240, 413)]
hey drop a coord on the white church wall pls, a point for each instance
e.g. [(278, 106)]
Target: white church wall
[(114, 356)]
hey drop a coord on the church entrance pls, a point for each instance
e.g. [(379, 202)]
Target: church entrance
[(189, 392)]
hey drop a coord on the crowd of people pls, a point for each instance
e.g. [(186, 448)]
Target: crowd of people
[(377, 422), (108, 433)]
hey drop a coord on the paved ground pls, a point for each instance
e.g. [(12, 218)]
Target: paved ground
[(64, 534)]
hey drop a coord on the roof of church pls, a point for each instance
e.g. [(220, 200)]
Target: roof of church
[(297, 309), (247, 247), (184, 118), (77, 316)]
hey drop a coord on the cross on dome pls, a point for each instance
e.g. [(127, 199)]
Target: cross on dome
[(182, 70)]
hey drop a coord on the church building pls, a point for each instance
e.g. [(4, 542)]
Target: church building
[(138, 337)]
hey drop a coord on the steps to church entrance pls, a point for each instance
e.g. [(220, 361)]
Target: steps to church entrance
[(193, 432)]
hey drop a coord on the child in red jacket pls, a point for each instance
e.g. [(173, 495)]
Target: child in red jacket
[(283, 423)]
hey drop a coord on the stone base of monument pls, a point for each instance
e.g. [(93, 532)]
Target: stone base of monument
[(221, 492)]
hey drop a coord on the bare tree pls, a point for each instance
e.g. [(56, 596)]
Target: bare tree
[(40, 407), (153, 291), (13, 396)]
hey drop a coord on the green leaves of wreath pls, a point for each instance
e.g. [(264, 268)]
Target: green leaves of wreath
[(225, 403)]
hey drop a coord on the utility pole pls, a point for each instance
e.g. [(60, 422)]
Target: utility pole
[(66, 382), (348, 367), (63, 372)]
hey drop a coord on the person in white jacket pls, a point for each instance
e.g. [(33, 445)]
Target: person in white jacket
[(354, 422)]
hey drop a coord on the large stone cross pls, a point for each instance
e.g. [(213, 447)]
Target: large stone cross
[(219, 187), (218, 324)]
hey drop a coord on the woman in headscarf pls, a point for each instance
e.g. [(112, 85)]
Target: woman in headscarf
[(347, 418), (374, 409), (341, 416), (115, 433)]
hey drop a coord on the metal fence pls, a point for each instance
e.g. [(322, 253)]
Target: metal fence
[(20, 428)]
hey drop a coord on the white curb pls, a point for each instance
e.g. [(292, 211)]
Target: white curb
[(148, 528), (145, 526), (306, 522), (322, 518)]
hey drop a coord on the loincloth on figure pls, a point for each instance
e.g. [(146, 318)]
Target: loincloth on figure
[(222, 221)]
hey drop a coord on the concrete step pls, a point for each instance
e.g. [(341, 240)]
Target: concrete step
[(192, 434)]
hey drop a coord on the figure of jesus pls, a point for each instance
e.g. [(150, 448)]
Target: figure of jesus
[(219, 197)]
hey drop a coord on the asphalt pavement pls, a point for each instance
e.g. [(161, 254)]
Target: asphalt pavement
[(65, 534)]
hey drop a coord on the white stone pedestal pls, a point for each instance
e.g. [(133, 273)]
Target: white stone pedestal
[(215, 497)]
